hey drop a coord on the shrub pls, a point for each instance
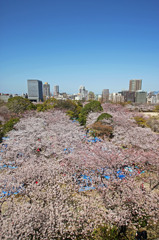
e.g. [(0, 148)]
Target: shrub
[(104, 116), (66, 104), (73, 107), (48, 104), (41, 107), (140, 121), (156, 109), (93, 106), (51, 101), (102, 130), (75, 113), (19, 104), (32, 107), (8, 126), (105, 233)]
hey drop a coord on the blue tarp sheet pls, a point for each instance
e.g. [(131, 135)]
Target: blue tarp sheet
[(5, 138), (86, 183), (94, 140), (11, 192), (7, 166)]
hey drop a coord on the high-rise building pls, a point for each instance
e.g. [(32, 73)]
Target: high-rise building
[(141, 97), (135, 85), (116, 97), (83, 93), (153, 97), (56, 91), (129, 96), (35, 90), (105, 95), (46, 90)]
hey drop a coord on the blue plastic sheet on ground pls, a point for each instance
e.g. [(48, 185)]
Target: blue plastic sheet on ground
[(120, 175), (11, 192), (12, 167), (5, 138), (74, 121), (7, 166), (68, 150), (5, 145), (85, 182), (128, 169), (107, 177), (94, 140)]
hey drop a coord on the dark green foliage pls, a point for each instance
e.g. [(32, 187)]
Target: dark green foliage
[(48, 104), (93, 106), (19, 104), (8, 126), (32, 107), (73, 107), (66, 104), (41, 107), (75, 113), (51, 101), (82, 118), (104, 116)]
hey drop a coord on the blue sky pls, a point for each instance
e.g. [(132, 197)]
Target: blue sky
[(96, 43)]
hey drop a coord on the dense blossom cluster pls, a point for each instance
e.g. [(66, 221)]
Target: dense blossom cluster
[(48, 162)]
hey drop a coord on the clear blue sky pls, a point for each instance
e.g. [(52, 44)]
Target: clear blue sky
[(96, 43)]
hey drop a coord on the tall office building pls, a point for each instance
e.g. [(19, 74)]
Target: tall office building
[(129, 96), (46, 90), (35, 90), (83, 93), (135, 85), (105, 95), (56, 91), (140, 97), (116, 97)]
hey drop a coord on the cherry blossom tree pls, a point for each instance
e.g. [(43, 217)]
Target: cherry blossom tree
[(48, 162)]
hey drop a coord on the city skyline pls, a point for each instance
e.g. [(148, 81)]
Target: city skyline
[(39, 92), (101, 45), (52, 89)]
